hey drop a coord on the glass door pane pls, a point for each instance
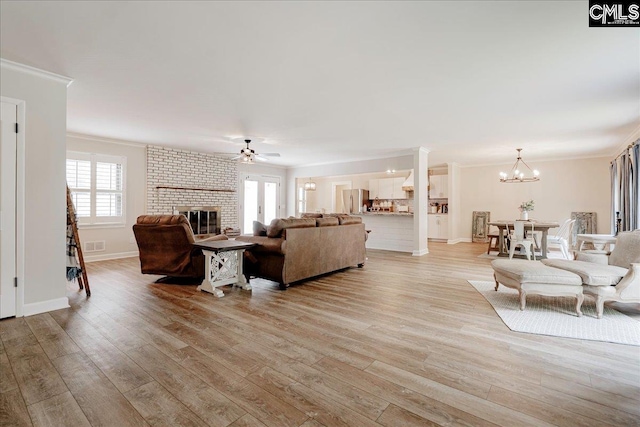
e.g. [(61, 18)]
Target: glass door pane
[(270, 201), (250, 205)]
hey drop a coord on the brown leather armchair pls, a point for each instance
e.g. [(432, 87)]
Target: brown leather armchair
[(166, 247)]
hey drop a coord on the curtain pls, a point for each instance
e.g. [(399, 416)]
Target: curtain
[(625, 189)]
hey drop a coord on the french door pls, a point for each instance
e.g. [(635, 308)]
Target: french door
[(260, 200), (8, 147)]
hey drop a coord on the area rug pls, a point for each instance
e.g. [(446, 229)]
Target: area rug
[(556, 316)]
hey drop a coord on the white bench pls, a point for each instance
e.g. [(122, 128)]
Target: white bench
[(533, 277)]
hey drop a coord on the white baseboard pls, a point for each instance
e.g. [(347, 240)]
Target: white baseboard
[(420, 252), (460, 240), (44, 306), (105, 257)]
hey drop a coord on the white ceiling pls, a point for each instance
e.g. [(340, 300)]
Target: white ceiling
[(338, 81)]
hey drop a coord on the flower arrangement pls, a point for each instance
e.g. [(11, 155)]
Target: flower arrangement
[(526, 206)]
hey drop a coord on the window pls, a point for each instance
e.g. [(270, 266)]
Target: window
[(97, 189), (302, 200)]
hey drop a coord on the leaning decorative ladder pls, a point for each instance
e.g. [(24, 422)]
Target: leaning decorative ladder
[(74, 248)]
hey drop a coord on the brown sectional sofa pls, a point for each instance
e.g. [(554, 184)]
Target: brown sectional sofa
[(294, 249)]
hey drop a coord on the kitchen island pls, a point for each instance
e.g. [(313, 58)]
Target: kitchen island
[(392, 231)]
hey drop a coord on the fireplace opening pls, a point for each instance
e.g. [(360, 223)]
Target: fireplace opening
[(204, 220)]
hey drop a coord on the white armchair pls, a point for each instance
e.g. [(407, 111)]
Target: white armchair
[(614, 277)]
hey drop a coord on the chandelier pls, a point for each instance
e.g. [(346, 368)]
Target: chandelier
[(518, 174), (310, 185)]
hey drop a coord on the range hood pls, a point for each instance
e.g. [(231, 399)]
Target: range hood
[(407, 185)]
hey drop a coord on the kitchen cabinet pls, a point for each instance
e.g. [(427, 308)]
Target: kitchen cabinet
[(374, 188), (438, 227), (439, 187), (387, 188), (398, 192)]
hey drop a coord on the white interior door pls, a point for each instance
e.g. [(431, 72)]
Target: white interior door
[(260, 200), (8, 146)]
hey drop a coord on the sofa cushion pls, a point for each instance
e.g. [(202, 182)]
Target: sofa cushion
[(265, 244), (524, 271), (346, 220), (279, 224), (591, 273), (259, 229), (327, 222), (627, 250), (162, 219), (311, 215)]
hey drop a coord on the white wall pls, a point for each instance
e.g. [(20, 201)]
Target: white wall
[(119, 241), (45, 194), (565, 186)]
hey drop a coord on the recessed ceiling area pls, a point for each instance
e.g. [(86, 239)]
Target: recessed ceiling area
[(324, 82)]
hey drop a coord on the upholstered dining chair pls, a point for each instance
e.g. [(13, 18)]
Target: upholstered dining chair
[(562, 238), (518, 239)]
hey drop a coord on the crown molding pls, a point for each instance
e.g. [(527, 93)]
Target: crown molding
[(15, 66), (105, 140)]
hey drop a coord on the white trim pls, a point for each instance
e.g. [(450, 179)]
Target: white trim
[(44, 306), (106, 257), (105, 140), (459, 240), (15, 66), (420, 252), (20, 199)]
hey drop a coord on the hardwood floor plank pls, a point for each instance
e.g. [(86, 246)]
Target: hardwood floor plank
[(352, 397), (123, 372), (263, 405), (98, 398), (7, 379), (481, 408), (161, 408), (60, 410), (313, 403), (425, 407), (37, 378), (403, 341), (395, 416), (52, 338), (209, 404), (13, 411), (247, 421)]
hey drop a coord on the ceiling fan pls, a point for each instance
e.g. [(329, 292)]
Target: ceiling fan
[(249, 155)]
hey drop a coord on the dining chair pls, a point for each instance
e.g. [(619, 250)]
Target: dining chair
[(562, 238), (517, 238)]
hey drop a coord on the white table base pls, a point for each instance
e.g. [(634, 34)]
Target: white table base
[(223, 268)]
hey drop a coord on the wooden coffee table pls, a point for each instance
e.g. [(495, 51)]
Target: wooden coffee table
[(223, 265)]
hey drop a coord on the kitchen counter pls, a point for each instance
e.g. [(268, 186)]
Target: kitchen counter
[(392, 231), (387, 213)]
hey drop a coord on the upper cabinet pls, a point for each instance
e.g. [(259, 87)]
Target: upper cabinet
[(387, 188), (439, 186)]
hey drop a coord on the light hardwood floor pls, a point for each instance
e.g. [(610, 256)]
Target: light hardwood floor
[(405, 341)]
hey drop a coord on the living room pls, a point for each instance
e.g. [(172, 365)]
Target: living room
[(171, 90)]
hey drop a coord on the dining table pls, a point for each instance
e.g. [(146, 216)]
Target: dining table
[(542, 226)]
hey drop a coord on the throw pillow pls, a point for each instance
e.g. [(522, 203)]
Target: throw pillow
[(259, 229)]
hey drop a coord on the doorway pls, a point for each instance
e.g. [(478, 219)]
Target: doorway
[(8, 161), (259, 201)]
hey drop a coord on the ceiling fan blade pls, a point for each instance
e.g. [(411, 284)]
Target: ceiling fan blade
[(260, 158), (270, 154), (237, 157)]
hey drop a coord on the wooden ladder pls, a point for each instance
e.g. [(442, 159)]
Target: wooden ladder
[(83, 281)]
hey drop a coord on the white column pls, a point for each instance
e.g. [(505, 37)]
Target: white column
[(420, 202)]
